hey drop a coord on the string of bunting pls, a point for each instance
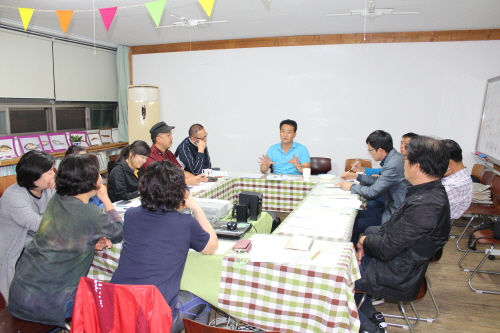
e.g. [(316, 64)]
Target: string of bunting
[(155, 9)]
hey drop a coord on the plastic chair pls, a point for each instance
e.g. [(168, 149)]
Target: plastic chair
[(114, 308), (191, 326), (6, 181), (320, 165), (481, 237), (364, 163)]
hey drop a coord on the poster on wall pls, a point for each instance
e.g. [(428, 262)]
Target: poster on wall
[(46, 146), (7, 147), (94, 139), (29, 142), (83, 134), (58, 141)]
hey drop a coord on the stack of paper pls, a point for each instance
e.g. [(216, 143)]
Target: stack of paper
[(340, 202)]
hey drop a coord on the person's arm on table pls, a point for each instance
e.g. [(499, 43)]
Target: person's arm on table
[(194, 180), (372, 187), (194, 164), (199, 215), (104, 242)]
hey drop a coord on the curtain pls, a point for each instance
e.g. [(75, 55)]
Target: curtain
[(122, 66)]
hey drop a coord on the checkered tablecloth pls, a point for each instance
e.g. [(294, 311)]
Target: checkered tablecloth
[(290, 299)]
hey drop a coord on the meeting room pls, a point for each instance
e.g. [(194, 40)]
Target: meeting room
[(254, 165)]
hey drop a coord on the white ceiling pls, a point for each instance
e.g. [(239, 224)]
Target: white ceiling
[(133, 25)]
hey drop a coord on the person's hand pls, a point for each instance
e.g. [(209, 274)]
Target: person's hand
[(191, 202), (102, 193), (265, 160), (357, 167), (346, 186), (202, 178), (103, 243), (52, 184), (296, 162), (361, 249), (201, 144), (349, 175)]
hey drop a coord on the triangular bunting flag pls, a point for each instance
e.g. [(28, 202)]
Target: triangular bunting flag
[(65, 17), (156, 10), (108, 14), (207, 6), (26, 14)]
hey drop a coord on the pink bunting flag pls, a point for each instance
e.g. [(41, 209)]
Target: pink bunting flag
[(108, 14)]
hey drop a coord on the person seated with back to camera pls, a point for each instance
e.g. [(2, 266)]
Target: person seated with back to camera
[(21, 208), (79, 150), (161, 135), (193, 151), (47, 274), (123, 181), (157, 227), (394, 257), (457, 181), (288, 157)]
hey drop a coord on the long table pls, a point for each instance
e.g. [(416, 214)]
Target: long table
[(273, 296)]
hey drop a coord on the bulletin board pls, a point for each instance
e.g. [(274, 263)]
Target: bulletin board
[(488, 139)]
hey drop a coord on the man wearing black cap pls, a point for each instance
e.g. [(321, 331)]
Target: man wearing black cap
[(161, 135)]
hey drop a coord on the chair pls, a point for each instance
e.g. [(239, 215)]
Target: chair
[(364, 163), (320, 165), (112, 162), (105, 307), (487, 178), (5, 182), (192, 326), (481, 237), (11, 324)]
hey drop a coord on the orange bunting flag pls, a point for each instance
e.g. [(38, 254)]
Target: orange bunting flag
[(156, 10), (65, 17), (207, 5), (26, 14), (108, 14)]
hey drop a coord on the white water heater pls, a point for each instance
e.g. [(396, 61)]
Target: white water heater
[(143, 111)]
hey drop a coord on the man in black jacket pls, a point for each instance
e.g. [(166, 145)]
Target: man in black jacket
[(193, 152), (395, 256)]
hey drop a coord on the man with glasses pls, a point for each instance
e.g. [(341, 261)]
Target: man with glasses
[(391, 183), (193, 152)]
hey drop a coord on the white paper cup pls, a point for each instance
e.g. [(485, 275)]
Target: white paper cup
[(306, 173), (207, 172)]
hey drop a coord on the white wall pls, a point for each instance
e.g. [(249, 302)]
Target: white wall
[(338, 94)]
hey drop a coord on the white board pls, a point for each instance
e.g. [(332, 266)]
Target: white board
[(488, 139)]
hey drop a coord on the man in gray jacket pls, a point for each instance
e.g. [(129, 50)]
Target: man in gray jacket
[(391, 183)]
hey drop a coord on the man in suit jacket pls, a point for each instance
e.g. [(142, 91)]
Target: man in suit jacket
[(391, 183)]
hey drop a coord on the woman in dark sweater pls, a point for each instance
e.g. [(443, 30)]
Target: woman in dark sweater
[(124, 178)]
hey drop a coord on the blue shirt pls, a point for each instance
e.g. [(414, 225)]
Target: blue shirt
[(282, 167)]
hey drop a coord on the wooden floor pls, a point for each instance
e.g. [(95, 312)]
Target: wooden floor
[(462, 309)]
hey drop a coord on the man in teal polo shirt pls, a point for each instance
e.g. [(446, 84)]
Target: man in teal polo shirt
[(287, 157)]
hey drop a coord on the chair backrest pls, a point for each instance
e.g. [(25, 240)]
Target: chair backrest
[(106, 307), (487, 177), (320, 165), (191, 326), (364, 163), (495, 190), (477, 170), (5, 182)]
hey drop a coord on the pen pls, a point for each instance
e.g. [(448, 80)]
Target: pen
[(315, 255)]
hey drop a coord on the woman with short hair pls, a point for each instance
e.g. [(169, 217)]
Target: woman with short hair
[(124, 178), (21, 208), (47, 274), (157, 239)]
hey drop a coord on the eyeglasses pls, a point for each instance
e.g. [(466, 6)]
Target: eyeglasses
[(204, 138), (369, 150)]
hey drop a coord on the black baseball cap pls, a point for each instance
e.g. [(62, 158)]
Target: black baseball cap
[(158, 128)]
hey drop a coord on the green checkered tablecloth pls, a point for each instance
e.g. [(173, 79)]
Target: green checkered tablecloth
[(285, 298)]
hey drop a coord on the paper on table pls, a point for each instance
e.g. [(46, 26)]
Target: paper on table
[(217, 173), (340, 202), (299, 242), (201, 187), (279, 177), (224, 246), (252, 175), (269, 248)]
